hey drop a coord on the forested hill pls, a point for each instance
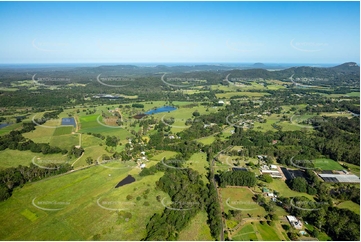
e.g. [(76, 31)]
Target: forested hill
[(345, 74), (132, 69)]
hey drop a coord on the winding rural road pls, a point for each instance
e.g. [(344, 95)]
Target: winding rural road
[(231, 83), (298, 84)]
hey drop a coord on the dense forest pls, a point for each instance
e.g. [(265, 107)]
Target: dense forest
[(188, 194)]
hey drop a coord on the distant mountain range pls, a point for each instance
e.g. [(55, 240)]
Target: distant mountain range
[(344, 74), (347, 73)]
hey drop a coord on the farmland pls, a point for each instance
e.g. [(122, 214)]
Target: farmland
[(76, 197), (107, 143), (62, 130)]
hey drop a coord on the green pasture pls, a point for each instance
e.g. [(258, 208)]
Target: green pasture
[(248, 94), (268, 233), (207, 140), (327, 164), (163, 154), (181, 115), (89, 124), (335, 114), (231, 224), (40, 134), (353, 94), (281, 187), (226, 133), (229, 88), (90, 140), (287, 108), (239, 198), (350, 94), (14, 158), (8, 89), (198, 162), (354, 207), (275, 87), (94, 152), (84, 204), (246, 233), (274, 119), (322, 235), (8, 129), (197, 229), (65, 141), (63, 130)]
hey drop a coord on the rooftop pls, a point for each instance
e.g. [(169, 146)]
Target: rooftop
[(340, 178)]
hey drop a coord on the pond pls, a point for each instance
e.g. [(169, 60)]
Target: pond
[(161, 110), (3, 125), (68, 121), (129, 179)]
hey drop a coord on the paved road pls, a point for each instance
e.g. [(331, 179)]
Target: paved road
[(231, 83), (298, 84), (291, 78)]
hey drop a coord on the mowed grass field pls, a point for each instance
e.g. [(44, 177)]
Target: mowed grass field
[(246, 233), (260, 232), (281, 187), (267, 233), (87, 201), (327, 164), (89, 124), (240, 199)]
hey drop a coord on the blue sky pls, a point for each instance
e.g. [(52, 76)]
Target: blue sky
[(130, 32)]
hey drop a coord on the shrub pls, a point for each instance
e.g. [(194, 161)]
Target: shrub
[(286, 227)]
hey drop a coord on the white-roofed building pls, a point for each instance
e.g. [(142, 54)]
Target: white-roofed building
[(296, 223)]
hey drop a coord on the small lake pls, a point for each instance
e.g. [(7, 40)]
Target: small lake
[(4, 125), (129, 179), (68, 121), (161, 110)]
